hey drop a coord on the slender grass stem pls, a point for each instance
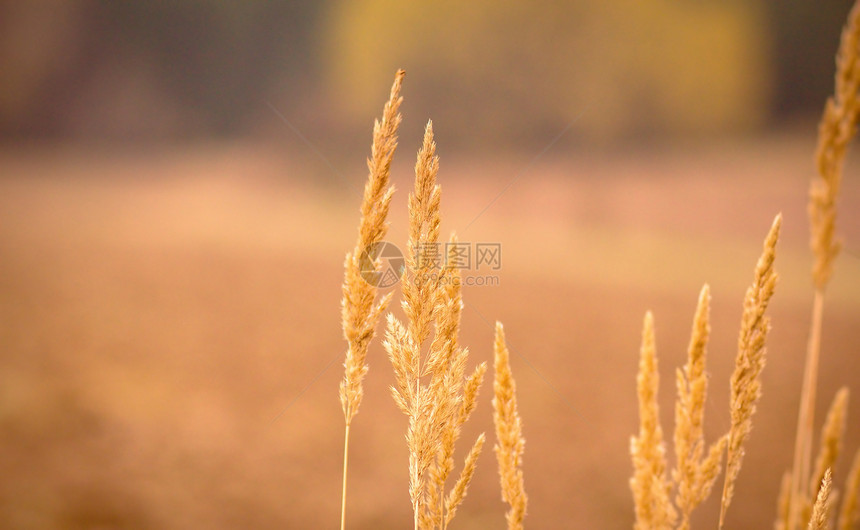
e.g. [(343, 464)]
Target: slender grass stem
[(806, 416), (345, 462)]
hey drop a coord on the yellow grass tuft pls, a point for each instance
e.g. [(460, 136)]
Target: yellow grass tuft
[(837, 128), (358, 312), (510, 443), (695, 472), (750, 360), (651, 487), (431, 387), (820, 519)]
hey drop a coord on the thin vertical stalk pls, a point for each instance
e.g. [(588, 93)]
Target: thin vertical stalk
[(345, 462), (806, 416)]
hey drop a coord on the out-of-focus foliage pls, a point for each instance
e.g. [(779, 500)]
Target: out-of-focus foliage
[(620, 68), (502, 73), (142, 70), (804, 38)]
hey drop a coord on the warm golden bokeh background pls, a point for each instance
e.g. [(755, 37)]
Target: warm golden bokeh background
[(178, 186)]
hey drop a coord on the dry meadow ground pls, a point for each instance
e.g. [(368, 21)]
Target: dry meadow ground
[(170, 340)]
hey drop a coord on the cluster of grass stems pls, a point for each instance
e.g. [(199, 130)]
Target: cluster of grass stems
[(432, 387), (437, 394), (807, 496)]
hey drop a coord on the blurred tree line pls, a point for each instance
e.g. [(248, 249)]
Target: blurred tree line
[(491, 72)]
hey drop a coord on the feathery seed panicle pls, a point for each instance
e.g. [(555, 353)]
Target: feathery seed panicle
[(820, 519), (695, 473), (458, 492), (419, 286), (419, 298), (359, 314), (402, 354), (448, 304), (510, 443), (750, 360), (838, 126), (438, 406), (651, 488)]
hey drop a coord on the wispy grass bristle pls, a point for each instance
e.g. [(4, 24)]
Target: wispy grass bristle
[(695, 473), (510, 443), (820, 519), (458, 492), (746, 379)]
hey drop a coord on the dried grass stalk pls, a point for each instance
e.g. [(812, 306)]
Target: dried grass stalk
[(750, 360), (458, 492), (510, 443), (359, 314), (437, 408), (651, 488), (849, 513), (695, 473), (837, 127), (820, 519), (404, 342)]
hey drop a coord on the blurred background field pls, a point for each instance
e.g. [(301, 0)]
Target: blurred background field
[(179, 184)]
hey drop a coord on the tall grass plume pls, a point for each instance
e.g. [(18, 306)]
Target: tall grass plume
[(359, 310), (837, 127), (746, 379), (431, 387), (698, 465), (510, 443)]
